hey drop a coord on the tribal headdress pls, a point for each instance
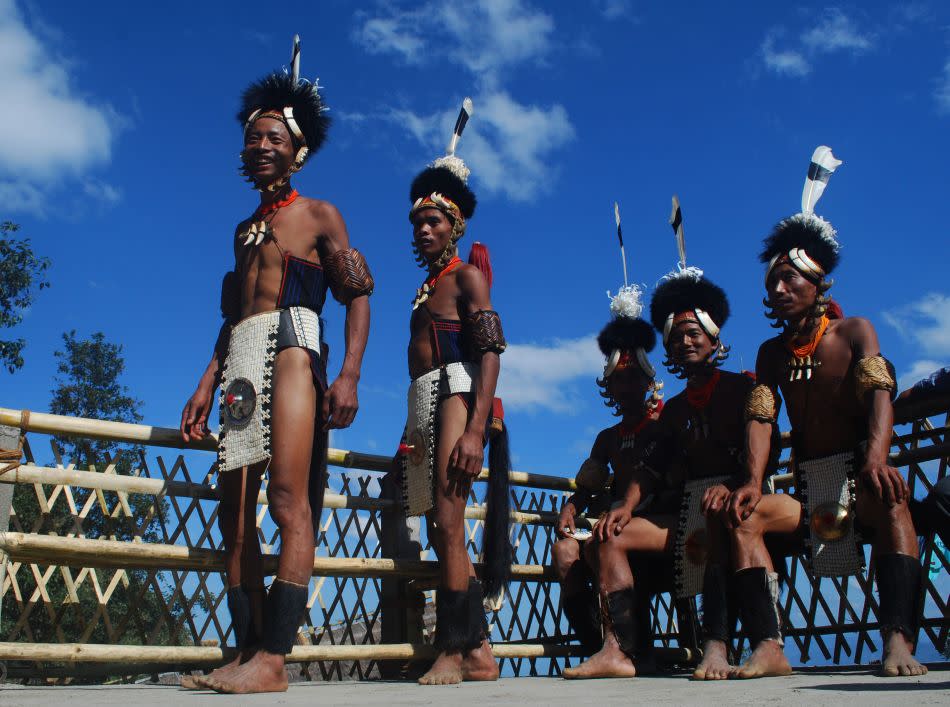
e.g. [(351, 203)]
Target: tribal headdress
[(687, 295), (806, 241), (443, 185), (627, 338), (296, 103)]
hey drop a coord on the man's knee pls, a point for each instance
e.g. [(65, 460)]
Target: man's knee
[(286, 505), (564, 553), (450, 529)]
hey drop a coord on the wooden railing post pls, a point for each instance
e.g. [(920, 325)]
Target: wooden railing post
[(401, 606), (9, 440)]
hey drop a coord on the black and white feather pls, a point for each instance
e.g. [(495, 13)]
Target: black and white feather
[(450, 162)]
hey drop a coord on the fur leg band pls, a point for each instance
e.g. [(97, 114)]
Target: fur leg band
[(458, 623), (286, 603), (619, 615), (477, 623), (898, 586), (759, 609), (239, 606), (581, 612), (715, 604)]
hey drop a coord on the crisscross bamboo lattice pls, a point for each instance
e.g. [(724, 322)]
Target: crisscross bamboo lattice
[(156, 578)]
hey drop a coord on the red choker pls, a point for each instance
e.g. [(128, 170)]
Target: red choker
[(265, 209), (699, 397)]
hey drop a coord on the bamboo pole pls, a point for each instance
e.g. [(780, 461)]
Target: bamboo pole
[(117, 554), (31, 474), (209, 655), (45, 423)]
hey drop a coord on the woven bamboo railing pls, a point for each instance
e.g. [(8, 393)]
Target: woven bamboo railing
[(923, 443)]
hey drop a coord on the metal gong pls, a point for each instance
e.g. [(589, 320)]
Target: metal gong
[(830, 521), (240, 399)]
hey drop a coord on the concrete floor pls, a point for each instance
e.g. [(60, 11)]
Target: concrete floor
[(859, 688)]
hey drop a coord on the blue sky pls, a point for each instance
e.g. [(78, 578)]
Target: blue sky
[(118, 155)]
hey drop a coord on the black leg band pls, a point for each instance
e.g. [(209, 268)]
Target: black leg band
[(582, 614), (459, 618), (898, 586), (620, 615), (715, 604), (758, 589), (239, 606), (286, 603)]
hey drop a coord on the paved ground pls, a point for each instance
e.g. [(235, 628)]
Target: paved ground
[(860, 689)]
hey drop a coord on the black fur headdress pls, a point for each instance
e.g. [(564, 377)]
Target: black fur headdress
[(681, 293), (281, 90), (626, 334), (807, 232), (442, 180)]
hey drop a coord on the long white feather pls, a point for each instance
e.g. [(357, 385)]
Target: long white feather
[(295, 60), (464, 114), (815, 183)]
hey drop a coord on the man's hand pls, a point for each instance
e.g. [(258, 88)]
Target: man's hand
[(194, 418), (714, 500), (742, 503), (465, 461), (340, 403), (612, 524), (565, 519), (885, 482)]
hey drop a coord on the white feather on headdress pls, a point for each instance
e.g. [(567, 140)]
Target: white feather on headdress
[(449, 161), (823, 165), (627, 302)]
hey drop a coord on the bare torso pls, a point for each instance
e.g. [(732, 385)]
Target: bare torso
[(302, 229), (824, 411), (446, 303)]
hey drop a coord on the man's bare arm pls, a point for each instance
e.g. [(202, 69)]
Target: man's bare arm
[(761, 414), (341, 403), (886, 482)]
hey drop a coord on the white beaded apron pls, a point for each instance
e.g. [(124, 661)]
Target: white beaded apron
[(418, 466), (827, 488), (246, 379), (692, 545)]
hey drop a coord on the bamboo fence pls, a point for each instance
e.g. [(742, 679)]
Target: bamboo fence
[(149, 598)]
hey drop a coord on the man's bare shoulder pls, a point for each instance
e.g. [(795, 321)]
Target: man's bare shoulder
[(741, 382), (772, 347), (851, 326), (320, 209), (470, 278)]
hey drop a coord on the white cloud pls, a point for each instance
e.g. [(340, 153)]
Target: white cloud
[(484, 36), (536, 376), (834, 32), (100, 191), (21, 197), (927, 323), (942, 91), (615, 9), (507, 138), (64, 131), (787, 62)]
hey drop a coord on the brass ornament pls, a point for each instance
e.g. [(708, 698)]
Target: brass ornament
[(830, 522), (417, 446)]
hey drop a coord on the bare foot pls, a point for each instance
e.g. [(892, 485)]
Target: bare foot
[(198, 682), (479, 664), (899, 657), (715, 664), (609, 662), (767, 660), (446, 670), (262, 673)]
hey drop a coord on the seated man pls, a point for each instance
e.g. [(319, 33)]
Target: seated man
[(628, 378), (838, 387), (698, 440)]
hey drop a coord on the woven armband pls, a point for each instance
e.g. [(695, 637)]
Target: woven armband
[(873, 373), (592, 476), (348, 275), (485, 331), (231, 298), (760, 405)]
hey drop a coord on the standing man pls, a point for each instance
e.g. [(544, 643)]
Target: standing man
[(838, 387), (270, 362), (454, 346)]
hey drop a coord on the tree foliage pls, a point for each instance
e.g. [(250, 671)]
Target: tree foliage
[(88, 384), (22, 273)]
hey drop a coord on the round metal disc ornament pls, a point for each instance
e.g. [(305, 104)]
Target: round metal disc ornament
[(240, 400), (830, 522), (417, 442)]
